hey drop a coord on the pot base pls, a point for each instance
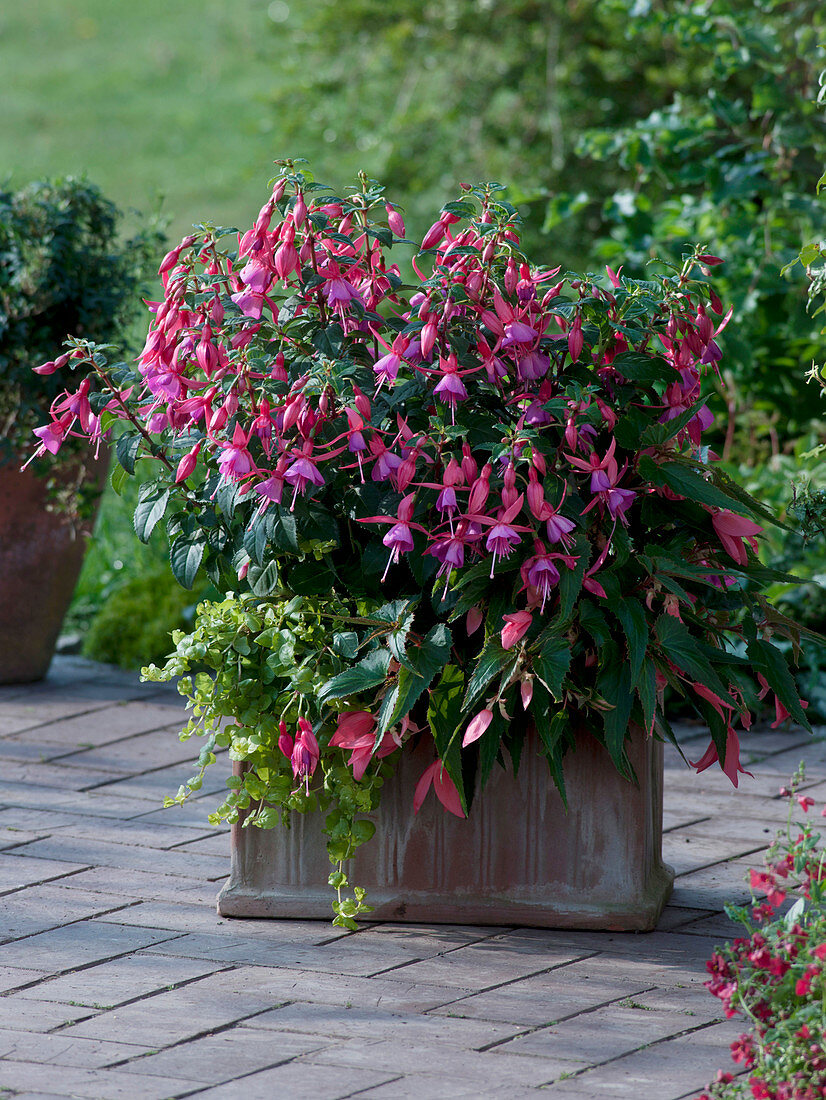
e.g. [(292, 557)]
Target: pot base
[(520, 859)]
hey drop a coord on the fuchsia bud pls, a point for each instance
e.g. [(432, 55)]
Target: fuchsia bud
[(394, 220), (299, 211), (433, 236), (187, 464), (474, 620), (515, 628)]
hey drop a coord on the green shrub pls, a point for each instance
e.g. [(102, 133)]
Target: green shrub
[(134, 625)]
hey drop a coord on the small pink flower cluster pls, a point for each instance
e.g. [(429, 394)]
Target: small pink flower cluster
[(776, 975)]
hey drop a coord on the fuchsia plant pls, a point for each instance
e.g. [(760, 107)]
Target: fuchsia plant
[(497, 444)]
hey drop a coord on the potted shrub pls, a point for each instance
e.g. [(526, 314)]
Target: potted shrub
[(470, 539), (62, 270)]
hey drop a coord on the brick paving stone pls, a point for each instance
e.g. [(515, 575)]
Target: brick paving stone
[(96, 1084), (142, 752), (188, 917), (110, 724), (338, 989), (712, 887), (172, 1016), (131, 831), (89, 851), (442, 1060), (20, 1012), (18, 870), (14, 838), (675, 917), (687, 850), (480, 966), (110, 984), (144, 886), (665, 1071), (216, 844), (72, 945), (372, 1023), (13, 977), (40, 908), (52, 775), (299, 1081), (218, 1058), (58, 1050)]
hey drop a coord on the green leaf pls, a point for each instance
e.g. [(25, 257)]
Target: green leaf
[(126, 450), (631, 615), (655, 435), (118, 479), (644, 368), (149, 511), (185, 558), (552, 664), (553, 728), (647, 691), (329, 341), (345, 644), (445, 716), (614, 685), (423, 662), (685, 479), (570, 581), (491, 661), (368, 673), (284, 533), (593, 621), (678, 646), (767, 659)]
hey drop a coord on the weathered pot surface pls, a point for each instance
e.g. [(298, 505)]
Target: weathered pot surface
[(41, 555), (518, 859)]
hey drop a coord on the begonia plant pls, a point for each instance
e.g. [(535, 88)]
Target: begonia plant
[(469, 504)]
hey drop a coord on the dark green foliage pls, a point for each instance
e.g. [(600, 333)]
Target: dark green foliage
[(62, 271)]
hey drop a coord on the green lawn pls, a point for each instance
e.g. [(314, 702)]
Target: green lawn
[(148, 97)]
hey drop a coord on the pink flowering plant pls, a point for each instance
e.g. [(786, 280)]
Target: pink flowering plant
[(471, 504), (775, 975)]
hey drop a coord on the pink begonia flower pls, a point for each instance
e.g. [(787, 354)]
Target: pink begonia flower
[(516, 626), (444, 787), (731, 766), (355, 732), (731, 530), (477, 726)]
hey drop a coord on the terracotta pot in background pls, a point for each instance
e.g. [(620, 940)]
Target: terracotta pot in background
[(41, 555), (519, 858)]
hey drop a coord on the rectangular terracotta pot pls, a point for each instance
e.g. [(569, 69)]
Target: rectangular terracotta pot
[(518, 859)]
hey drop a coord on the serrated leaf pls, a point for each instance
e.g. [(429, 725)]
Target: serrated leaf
[(767, 659), (263, 579), (688, 482), (491, 661), (570, 580), (614, 685), (368, 673), (553, 727), (284, 532), (445, 716), (551, 665), (118, 479), (416, 676), (644, 368), (680, 648), (631, 615)]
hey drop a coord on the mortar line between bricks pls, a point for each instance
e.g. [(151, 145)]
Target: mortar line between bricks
[(83, 714), (720, 862), (62, 755), (75, 969), (217, 1030), (438, 955), (528, 1030), (512, 981), (628, 1053), (688, 824), (132, 1000), (367, 1088), (45, 881), (83, 920), (125, 778)]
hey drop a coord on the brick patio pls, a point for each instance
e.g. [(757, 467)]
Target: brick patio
[(118, 979)]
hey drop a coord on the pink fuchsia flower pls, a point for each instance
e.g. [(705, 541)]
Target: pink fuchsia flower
[(236, 461), (732, 530), (303, 752), (444, 787), (51, 435), (301, 473), (515, 628)]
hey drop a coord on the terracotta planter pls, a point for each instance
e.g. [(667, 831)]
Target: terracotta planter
[(41, 555), (519, 858)]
